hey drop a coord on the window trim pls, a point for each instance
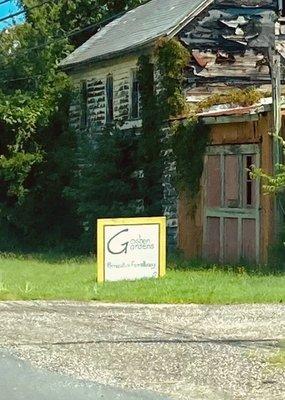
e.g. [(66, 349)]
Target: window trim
[(109, 116), (83, 104), (134, 72), (249, 183)]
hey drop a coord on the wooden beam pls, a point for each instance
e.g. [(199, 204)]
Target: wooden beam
[(230, 119)]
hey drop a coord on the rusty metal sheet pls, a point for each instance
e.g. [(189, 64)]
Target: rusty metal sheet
[(248, 64)]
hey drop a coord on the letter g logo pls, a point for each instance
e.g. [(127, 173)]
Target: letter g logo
[(111, 244)]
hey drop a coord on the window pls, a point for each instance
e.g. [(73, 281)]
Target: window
[(249, 183), (109, 99), (84, 105), (135, 95)]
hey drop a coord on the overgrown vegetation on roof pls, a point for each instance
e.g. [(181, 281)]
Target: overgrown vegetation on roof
[(234, 97)]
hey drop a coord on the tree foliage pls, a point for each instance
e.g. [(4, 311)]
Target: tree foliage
[(73, 15), (106, 181), (37, 149), (172, 59), (272, 183), (149, 148), (189, 141)]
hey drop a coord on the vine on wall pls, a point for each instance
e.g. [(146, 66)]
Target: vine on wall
[(188, 139), (149, 148), (172, 59)]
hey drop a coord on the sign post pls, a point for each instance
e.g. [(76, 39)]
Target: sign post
[(131, 249)]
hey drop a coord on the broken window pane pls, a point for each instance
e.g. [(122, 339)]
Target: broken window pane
[(249, 182)]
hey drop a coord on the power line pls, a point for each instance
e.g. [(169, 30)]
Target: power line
[(4, 2), (97, 24), (69, 34), (57, 39), (23, 78), (24, 11)]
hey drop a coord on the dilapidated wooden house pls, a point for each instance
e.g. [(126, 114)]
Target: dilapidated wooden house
[(233, 43)]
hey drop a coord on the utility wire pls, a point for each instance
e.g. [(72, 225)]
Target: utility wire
[(24, 11), (63, 37), (71, 33), (28, 77), (4, 2)]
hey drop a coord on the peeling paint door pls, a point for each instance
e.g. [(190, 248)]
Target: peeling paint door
[(232, 201)]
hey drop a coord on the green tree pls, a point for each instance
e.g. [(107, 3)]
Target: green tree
[(275, 185), (69, 15), (149, 149), (272, 183), (106, 183), (36, 146)]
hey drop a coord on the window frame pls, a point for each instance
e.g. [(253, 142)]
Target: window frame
[(83, 104), (109, 108), (134, 74), (249, 196)]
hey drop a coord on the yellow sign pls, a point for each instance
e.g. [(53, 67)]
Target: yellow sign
[(131, 248)]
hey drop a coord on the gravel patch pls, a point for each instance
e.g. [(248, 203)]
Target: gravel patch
[(188, 352)]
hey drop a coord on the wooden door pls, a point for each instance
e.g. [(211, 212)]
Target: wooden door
[(232, 201)]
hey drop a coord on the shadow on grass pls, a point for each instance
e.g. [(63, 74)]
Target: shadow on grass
[(177, 261), (49, 257)]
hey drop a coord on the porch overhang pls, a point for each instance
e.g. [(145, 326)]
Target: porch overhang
[(222, 114)]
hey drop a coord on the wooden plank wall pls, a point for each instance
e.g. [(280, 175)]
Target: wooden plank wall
[(190, 213), (267, 202), (95, 78)]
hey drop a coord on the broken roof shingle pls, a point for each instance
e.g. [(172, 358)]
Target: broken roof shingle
[(136, 28)]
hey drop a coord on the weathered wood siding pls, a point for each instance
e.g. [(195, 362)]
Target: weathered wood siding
[(267, 202), (95, 77), (191, 217), (230, 43)]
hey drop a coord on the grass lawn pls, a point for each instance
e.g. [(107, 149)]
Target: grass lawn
[(41, 277)]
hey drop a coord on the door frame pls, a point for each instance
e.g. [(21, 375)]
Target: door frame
[(238, 213)]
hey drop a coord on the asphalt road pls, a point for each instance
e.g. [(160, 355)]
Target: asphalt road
[(19, 381), (79, 351)]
